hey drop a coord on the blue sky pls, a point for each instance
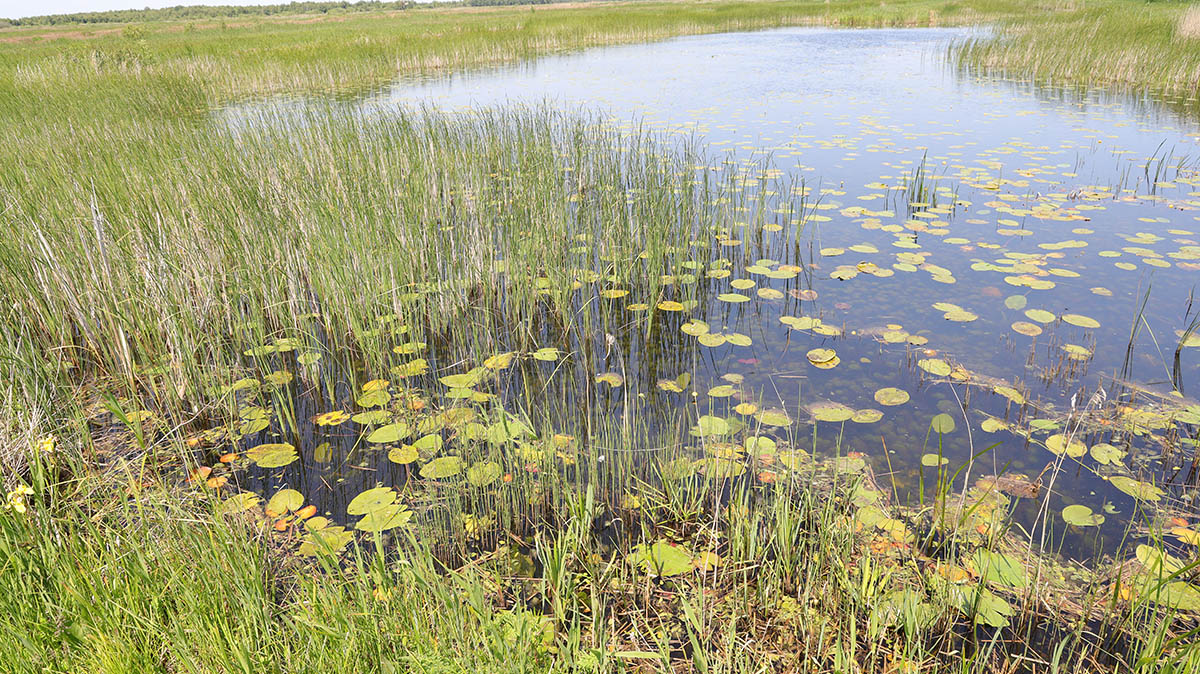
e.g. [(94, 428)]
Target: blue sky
[(15, 9)]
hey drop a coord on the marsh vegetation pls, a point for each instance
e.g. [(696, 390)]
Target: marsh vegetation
[(348, 342)]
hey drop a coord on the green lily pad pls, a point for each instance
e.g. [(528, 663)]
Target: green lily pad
[(384, 518), (389, 433), (1107, 454), (773, 418), (1143, 491), (661, 559), (445, 466), (272, 455), (371, 499), (1040, 315), (285, 500), (1081, 516), (891, 396), (942, 423), (403, 455), (483, 473), (709, 425), (1081, 321), (935, 366), (997, 567), (1059, 443)]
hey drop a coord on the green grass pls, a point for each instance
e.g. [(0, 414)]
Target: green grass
[(146, 578), (1153, 46)]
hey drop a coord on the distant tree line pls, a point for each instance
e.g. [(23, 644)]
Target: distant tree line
[(194, 12)]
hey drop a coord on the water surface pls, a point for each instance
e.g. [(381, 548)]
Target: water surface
[(941, 208)]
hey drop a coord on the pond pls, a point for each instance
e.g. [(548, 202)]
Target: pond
[(981, 268)]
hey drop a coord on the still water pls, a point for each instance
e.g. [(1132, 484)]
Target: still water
[(970, 246)]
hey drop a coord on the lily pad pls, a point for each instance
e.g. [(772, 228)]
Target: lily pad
[(389, 433), (821, 355), (1143, 491), (1107, 454), (1040, 315), (891, 396), (403, 455), (371, 499), (384, 518), (661, 559), (997, 567), (1081, 321), (1081, 516), (272, 455), (942, 423), (284, 501), (935, 366), (445, 466), (483, 473), (1059, 444), (774, 418)]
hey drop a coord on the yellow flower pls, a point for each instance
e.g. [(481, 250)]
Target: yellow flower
[(47, 444), (16, 498)]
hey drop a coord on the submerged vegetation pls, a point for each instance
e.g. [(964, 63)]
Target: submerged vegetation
[(303, 386)]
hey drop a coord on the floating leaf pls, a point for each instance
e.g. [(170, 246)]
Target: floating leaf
[(1107, 454), (831, 412), (891, 396), (1058, 443), (661, 559), (1080, 321), (371, 499), (758, 444), (932, 460), (721, 468), (403, 455), (866, 416), (1040, 315), (1026, 328), (996, 567), (738, 339), (942, 423), (389, 433), (709, 425), (285, 501), (384, 518), (238, 503), (1143, 491), (816, 356), (1081, 516), (483, 473), (1010, 393), (376, 398), (429, 443), (499, 361), (935, 366), (546, 353), (611, 378), (372, 417), (774, 418), (411, 369), (272, 455), (325, 540), (446, 466), (1015, 302), (463, 380)]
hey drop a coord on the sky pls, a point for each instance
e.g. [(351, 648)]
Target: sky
[(15, 9)]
